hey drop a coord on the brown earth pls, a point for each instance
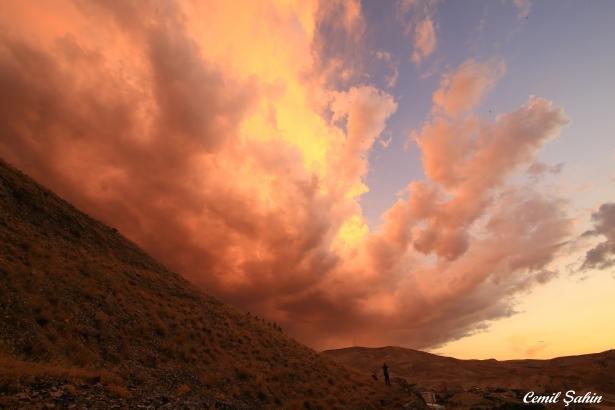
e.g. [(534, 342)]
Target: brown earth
[(471, 382), (88, 320)]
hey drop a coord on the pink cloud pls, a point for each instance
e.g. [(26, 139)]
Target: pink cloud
[(461, 90), (463, 157), (196, 157)]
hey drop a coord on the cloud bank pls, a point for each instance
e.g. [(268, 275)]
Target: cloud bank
[(229, 142), (602, 256)]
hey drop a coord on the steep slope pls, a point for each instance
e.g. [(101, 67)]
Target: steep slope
[(87, 318), (594, 372)]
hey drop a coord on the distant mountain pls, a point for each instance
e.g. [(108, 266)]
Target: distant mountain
[(88, 320), (590, 372)]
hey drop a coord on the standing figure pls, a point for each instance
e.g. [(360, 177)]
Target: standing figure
[(385, 370)]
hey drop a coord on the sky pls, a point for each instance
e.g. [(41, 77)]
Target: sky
[(437, 175)]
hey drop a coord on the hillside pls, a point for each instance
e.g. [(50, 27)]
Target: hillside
[(449, 376), (87, 319)]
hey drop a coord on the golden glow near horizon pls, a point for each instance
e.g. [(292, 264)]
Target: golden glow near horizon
[(568, 316)]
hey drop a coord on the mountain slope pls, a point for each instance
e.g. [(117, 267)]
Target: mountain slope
[(87, 318), (594, 372)]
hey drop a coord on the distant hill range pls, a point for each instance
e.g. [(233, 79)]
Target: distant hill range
[(589, 372)]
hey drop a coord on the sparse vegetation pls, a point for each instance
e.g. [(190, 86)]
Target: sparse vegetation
[(84, 307)]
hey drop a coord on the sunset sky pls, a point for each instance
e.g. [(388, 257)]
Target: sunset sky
[(430, 174)]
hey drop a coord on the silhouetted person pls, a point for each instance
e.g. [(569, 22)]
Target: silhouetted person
[(385, 370)]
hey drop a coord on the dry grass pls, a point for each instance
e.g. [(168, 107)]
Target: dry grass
[(12, 370), (82, 301)]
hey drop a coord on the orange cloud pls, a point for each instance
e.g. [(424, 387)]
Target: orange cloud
[(365, 110), (220, 139), (338, 42)]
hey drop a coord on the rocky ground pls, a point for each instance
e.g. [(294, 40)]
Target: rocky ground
[(54, 393)]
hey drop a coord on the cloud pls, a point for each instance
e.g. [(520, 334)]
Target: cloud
[(384, 143), (365, 110), (462, 155), (469, 169), (523, 7), (392, 65), (462, 214), (339, 48), (602, 256), (526, 348), (535, 349), (538, 169), (424, 40), (220, 140), (391, 80), (419, 23), (462, 90), (383, 55)]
